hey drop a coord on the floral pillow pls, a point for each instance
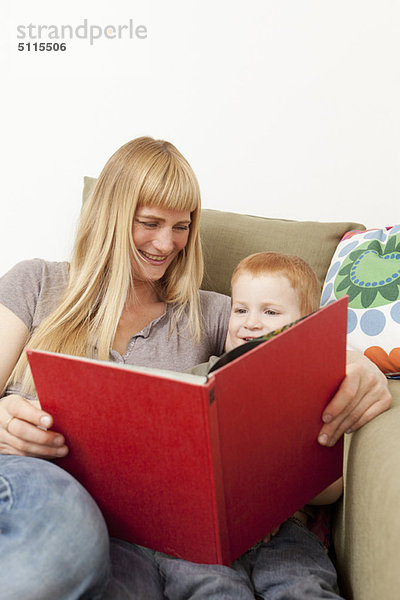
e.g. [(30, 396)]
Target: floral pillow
[(366, 267)]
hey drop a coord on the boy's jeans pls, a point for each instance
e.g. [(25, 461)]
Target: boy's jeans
[(54, 544), (294, 565)]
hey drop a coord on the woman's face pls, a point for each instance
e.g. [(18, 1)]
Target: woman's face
[(159, 234)]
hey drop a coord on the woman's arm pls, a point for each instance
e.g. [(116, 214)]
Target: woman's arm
[(363, 395), (20, 419), (13, 337)]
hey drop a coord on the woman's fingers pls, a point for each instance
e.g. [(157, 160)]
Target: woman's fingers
[(363, 395), (23, 430), (13, 445), (17, 406)]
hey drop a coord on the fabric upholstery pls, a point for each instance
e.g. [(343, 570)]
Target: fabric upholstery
[(366, 267), (367, 525), (229, 237)]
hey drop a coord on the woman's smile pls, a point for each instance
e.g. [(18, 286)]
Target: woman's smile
[(153, 258)]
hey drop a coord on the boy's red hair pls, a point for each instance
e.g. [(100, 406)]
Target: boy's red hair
[(299, 273)]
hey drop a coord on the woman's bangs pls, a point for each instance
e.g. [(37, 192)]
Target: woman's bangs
[(175, 190)]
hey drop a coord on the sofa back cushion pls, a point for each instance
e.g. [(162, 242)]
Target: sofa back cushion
[(229, 237)]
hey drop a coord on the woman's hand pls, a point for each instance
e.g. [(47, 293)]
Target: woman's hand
[(21, 432), (363, 394)]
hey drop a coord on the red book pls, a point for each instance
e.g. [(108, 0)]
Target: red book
[(202, 468)]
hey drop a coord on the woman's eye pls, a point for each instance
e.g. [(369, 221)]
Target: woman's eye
[(240, 311), (181, 227), (148, 224)]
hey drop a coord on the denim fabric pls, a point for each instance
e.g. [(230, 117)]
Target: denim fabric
[(135, 574), (186, 580), (53, 540), (294, 565), (54, 545)]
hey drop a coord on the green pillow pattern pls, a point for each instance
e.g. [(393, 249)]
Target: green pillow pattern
[(366, 267)]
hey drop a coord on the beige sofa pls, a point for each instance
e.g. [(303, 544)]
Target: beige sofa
[(367, 520)]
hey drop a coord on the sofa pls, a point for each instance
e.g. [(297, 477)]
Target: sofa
[(366, 530)]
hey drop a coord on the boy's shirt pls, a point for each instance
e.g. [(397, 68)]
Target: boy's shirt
[(203, 368)]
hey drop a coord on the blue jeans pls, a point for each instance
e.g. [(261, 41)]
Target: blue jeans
[(54, 544), (294, 565)]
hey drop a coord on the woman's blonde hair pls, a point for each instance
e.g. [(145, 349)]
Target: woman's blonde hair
[(143, 172)]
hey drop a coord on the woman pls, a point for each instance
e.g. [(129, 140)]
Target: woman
[(132, 289), (130, 294)]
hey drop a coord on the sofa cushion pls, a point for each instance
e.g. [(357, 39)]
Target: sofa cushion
[(229, 237), (366, 267)]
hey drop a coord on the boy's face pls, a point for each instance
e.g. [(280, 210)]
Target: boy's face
[(260, 305)]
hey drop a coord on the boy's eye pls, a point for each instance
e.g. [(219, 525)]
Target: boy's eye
[(269, 311), (240, 311)]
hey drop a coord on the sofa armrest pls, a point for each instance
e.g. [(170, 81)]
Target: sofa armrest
[(367, 524)]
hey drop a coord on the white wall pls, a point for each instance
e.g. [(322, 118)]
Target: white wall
[(285, 108)]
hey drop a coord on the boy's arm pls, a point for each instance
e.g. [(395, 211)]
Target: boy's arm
[(329, 494), (203, 368)]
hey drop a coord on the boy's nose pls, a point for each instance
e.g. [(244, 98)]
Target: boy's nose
[(252, 322)]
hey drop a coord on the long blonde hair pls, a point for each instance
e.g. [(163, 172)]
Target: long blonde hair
[(143, 172)]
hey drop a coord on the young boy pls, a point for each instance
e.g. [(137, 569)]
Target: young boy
[(269, 290)]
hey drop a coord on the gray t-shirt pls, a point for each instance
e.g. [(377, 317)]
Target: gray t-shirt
[(32, 289)]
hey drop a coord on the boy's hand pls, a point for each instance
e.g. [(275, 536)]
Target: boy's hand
[(271, 534), (363, 394)]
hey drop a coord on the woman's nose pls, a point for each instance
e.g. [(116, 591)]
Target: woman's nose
[(164, 241)]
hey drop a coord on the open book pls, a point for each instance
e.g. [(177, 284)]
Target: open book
[(202, 467)]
